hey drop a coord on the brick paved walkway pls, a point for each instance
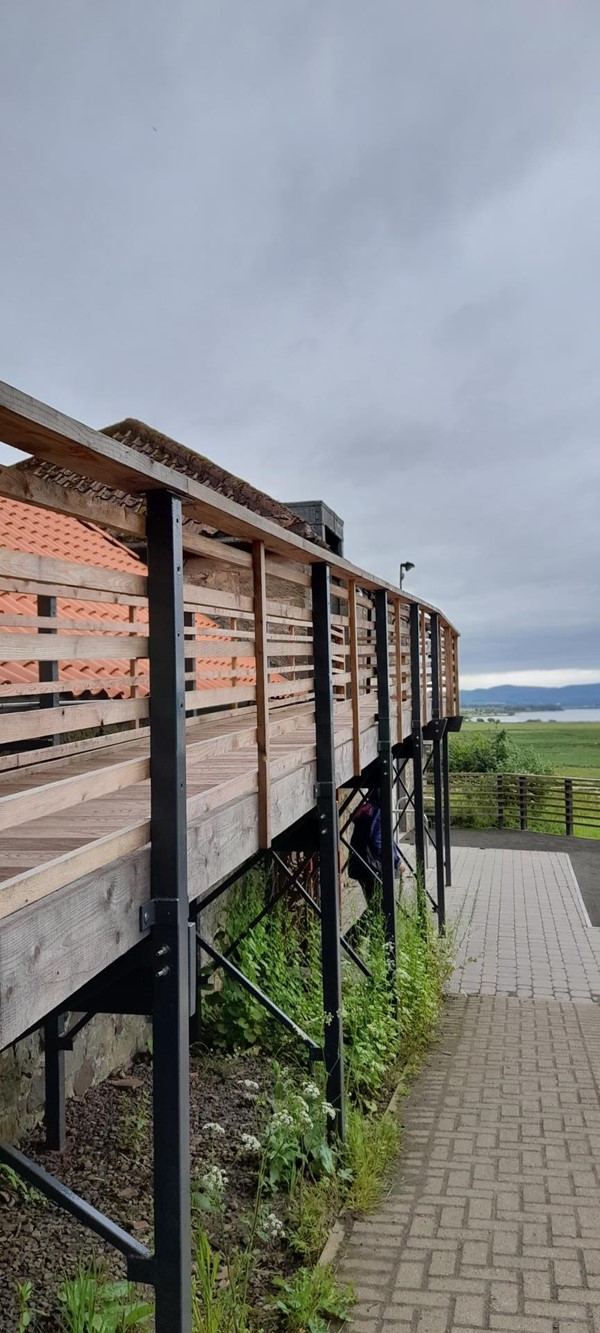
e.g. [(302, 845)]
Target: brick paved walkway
[(523, 928), (493, 1220)]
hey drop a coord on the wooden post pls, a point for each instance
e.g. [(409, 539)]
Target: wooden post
[(569, 807), (261, 652), (522, 801), (354, 676), (500, 799)]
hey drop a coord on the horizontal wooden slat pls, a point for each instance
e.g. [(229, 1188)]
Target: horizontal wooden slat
[(25, 726), (57, 624), (212, 600), (36, 802), (217, 698), (71, 647), (18, 565)]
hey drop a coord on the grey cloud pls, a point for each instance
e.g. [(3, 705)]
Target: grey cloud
[(349, 250)]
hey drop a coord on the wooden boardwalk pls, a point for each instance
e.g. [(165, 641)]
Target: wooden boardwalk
[(75, 773)]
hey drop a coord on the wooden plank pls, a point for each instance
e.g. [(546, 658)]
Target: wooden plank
[(44, 880), (262, 693), (25, 726), (72, 647), (282, 569), (46, 755), (58, 623), (217, 698), (95, 685), (289, 688), (213, 549), (17, 483), (36, 802), (68, 591), (197, 597), (45, 569)]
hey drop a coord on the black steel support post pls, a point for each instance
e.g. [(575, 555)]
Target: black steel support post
[(417, 751), (329, 869), (438, 796), (167, 912), (54, 1056), (54, 1071), (446, 788), (386, 776)]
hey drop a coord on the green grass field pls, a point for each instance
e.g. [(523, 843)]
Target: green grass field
[(571, 749)]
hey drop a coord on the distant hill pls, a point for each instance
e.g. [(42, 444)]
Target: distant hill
[(533, 696)]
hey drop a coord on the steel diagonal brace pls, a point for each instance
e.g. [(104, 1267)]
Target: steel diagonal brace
[(295, 883), (314, 1051), (60, 1194)]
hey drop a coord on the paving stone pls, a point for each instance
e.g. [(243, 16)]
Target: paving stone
[(493, 1222)]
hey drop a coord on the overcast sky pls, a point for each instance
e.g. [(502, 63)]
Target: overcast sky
[(349, 250)]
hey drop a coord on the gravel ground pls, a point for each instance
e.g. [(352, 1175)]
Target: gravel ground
[(108, 1161)]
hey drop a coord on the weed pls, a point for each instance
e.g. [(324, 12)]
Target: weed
[(23, 1292), (26, 1192), (135, 1124), (372, 1142), (216, 1304), (281, 956), (92, 1305), (310, 1298), (314, 1206)]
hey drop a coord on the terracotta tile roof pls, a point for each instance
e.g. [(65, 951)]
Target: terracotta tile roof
[(41, 532), (162, 449)]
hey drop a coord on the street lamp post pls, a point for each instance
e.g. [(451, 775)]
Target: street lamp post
[(404, 569)]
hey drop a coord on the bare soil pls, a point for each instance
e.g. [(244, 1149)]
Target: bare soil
[(108, 1160)]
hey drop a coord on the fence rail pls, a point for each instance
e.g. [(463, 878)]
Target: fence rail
[(542, 803)]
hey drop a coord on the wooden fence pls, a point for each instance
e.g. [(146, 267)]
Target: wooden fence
[(542, 803)]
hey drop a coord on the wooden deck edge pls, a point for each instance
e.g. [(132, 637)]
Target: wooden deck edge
[(52, 947)]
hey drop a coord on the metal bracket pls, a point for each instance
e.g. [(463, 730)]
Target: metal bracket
[(158, 912)]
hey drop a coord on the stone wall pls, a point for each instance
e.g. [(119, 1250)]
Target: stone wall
[(107, 1043)]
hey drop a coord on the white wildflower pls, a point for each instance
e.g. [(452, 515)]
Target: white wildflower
[(312, 1092), (282, 1120), (214, 1180), (328, 1110), (304, 1116), (273, 1227), (249, 1084), (250, 1144), (212, 1127)]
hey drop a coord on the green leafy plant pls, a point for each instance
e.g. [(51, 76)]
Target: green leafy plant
[(26, 1192), (280, 955), (91, 1305), (295, 1139), (309, 1299), (23, 1292)]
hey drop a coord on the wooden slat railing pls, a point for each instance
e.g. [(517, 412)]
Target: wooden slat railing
[(535, 802)]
